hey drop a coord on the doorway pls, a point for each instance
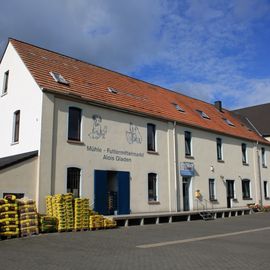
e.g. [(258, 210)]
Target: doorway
[(230, 192), (186, 191), (112, 192)]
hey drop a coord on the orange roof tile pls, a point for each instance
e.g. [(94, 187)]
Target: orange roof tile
[(91, 83)]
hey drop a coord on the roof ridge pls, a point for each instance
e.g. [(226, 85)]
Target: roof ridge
[(116, 72)]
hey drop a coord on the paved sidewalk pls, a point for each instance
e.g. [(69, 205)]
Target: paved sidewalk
[(233, 243)]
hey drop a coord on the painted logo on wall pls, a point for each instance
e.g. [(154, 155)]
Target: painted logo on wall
[(98, 130), (133, 134)]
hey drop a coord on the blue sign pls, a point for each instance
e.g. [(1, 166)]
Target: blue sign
[(187, 169)]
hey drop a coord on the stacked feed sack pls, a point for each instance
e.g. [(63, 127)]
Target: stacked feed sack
[(109, 223), (59, 207), (49, 206), (28, 217), (9, 219), (96, 222), (48, 224), (69, 211), (78, 213), (85, 214), (54, 207)]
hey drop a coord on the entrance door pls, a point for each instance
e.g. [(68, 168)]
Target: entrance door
[(186, 184), (112, 192), (230, 192)]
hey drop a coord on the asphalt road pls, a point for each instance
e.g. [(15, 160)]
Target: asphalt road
[(231, 243)]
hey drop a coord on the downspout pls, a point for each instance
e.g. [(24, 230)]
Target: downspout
[(177, 204), (259, 173)]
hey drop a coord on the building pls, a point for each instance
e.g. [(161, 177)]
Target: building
[(130, 146), (258, 117)]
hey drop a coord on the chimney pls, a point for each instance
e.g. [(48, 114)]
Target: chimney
[(218, 105)]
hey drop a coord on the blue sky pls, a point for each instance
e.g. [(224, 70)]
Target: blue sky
[(208, 49)]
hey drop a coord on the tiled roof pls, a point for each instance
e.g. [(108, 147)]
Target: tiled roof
[(259, 115), (91, 83)]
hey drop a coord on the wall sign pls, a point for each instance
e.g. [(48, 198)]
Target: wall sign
[(187, 168)]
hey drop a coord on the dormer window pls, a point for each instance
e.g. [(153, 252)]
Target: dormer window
[(203, 114), (59, 78), (177, 107), (227, 121), (112, 90), (5, 83)]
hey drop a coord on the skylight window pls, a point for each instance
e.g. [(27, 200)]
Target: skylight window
[(112, 90), (59, 78), (228, 122), (178, 108), (203, 114)]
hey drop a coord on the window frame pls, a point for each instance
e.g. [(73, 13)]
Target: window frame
[(78, 136), (266, 189), (263, 154), (5, 83), (71, 189), (212, 189), (248, 195), (219, 145), (188, 144), (151, 137), (154, 197), (244, 154), (16, 127)]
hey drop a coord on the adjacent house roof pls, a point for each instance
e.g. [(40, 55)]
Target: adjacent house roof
[(12, 160), (259, 116), (99, 85)]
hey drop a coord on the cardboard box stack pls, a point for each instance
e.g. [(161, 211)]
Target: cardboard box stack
[(9, 219), (28, 217)]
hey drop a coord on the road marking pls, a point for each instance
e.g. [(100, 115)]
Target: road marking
[(175, 242)]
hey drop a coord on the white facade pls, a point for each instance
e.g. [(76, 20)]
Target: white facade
[(22, 94)]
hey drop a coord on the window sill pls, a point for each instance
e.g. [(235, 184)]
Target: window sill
[(234, 199), (189, 157), (152, 152), (213, 200), (246, 199), (75, 142), (14, 143), (264, 166), (245, 164), (267, 198), (220, 161), (3, 94), (153, 202)]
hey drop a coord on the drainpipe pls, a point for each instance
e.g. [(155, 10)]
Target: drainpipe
[(259, 173), (177, 191)]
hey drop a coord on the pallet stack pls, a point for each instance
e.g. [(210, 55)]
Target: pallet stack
[(48, 224), (59, 210), (96, 222), (9, 219), (28, 217), (69, 211), (49, 206)]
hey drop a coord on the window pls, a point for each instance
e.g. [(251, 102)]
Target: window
[(246, 188), (188, 143), (151, 137), (219, 149), (263, 157), (73, 181), (178, 107), (203, 114), (16, 126), (244, 153), (5, 83), (152, 187), (228, 122), (59, 78), (212, 190), (74, 124), (265, 188)]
